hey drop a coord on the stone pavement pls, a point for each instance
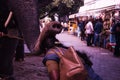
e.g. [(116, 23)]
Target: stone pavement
[(104, 64)]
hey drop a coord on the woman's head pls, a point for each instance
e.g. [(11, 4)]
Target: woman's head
[(47, 37)]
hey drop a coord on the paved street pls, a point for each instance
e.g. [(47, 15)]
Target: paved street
[(104, 64), (107, 66)]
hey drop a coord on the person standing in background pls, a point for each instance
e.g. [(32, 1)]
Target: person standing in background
[(97, 30), (112, 36), (105, 32), (89, 32), (81, 28), (8, 44), (116, 31)]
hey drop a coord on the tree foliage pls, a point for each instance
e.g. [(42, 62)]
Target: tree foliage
[(61, 7)]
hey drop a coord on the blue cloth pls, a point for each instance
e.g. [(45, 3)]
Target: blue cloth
[(92, 74), (96, 39), (51, 56), (98, 27), (81, 26), (112, 37)]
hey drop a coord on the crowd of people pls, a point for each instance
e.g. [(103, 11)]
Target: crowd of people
[(99, 32)]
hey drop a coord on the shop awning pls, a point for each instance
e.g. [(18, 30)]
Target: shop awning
[(99, 5)]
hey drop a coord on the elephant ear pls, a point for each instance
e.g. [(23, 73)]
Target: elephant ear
[(51, 29)]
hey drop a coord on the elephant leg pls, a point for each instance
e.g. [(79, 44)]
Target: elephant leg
[(26, 14)]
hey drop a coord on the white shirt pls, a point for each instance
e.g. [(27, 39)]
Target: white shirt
[(89, 28)]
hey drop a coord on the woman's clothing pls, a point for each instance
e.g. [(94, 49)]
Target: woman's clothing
[(52, 56), (51, 60)]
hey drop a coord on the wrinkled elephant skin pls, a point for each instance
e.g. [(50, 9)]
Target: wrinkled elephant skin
[(26, 13)]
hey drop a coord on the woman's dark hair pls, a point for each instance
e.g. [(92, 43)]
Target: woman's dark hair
[(85, 58), (47, 43)]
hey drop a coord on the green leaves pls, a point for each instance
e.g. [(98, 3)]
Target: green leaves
[(61, 7)]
